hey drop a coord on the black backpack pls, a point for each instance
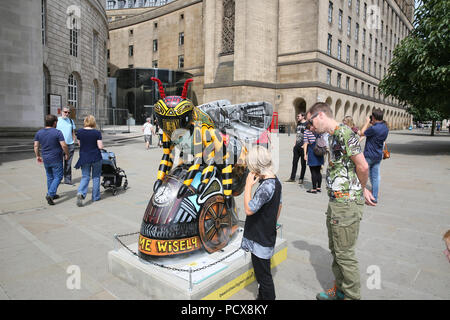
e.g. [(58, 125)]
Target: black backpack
[(320, 149)]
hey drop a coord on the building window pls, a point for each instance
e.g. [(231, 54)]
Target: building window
[(181, 38), (330, 12), (181, 62), (155, 64), (355, 86), (369, 64), (94, 97), (365, 11), (347, 83), (340, 19), (73, 30), (356, 59), (155, 45), (347, 58), (376, 47), (108, 54), (155, 25), (339, 47), (370, 42), (349, 3), (364, 37), (338, 82), (362, 87), (44, 21), (363, 60), (357, 32), (130, 51), (228, 27), (94, 47), (358, 3), (329, 76), (375, 68), (329, 43), (72, 91), (110, 5)]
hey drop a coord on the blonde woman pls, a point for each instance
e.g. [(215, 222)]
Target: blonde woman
[(90, 161), (262, 210), (348, 121)]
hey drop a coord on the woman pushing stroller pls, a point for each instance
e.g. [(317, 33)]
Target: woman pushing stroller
[(90, 161)]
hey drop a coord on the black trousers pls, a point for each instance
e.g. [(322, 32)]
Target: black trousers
[(298, 154), (266, 289), (316, 176)]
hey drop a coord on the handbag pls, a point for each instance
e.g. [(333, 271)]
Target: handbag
[(386, 153)]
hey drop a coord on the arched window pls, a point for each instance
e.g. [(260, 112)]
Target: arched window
[(228, 27), (72, 92)]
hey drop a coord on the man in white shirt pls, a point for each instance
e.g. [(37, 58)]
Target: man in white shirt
[(148, 130)]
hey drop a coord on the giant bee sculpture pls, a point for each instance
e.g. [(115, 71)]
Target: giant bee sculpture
[(192, 206)]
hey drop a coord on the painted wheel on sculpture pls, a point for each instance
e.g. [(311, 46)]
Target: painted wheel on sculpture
[(214, 224)]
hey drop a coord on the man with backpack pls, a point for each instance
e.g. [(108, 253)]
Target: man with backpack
[(67, 126), (347, 175)]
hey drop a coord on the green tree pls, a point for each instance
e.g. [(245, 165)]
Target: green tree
[(419, 73)]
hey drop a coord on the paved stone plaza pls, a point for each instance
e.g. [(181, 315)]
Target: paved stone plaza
[(401, 237)]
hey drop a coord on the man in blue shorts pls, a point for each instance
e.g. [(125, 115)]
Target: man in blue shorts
[(52, 144)]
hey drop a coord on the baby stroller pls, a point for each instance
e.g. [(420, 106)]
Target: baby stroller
[(112, 175)]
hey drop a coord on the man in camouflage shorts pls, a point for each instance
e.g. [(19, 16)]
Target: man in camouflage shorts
[(346, 177)]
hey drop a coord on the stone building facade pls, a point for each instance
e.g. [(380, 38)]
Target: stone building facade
[(56, 48), (291, 53)]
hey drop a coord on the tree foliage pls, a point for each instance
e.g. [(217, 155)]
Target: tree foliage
[(419, 73)]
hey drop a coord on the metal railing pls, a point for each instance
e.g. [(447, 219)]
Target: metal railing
[(111, 120)]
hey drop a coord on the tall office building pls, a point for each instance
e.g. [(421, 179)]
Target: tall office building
[(291, 53)]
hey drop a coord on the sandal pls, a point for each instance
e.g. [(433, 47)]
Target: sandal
[(311, 191)]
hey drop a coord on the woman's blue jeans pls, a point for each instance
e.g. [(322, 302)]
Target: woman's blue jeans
[(54, 173), (374, 175), (86, 169)]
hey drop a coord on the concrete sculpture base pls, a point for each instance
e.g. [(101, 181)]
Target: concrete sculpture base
[(209, 279)]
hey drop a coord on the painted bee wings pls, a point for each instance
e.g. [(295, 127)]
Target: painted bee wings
[(247, 121)]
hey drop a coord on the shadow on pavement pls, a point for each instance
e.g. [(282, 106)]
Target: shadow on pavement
[(421, 147), (317, 255)]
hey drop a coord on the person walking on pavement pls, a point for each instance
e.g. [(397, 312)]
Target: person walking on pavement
[(376, 136), (90, 160), (148, 130), (52, 143), (347, 175), (67, 126), (314, 161), (298, 150)]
